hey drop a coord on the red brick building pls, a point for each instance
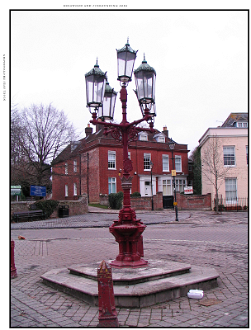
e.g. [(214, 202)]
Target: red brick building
[(93, 166)]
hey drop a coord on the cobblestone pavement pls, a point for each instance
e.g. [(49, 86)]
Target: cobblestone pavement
[(199, 238)]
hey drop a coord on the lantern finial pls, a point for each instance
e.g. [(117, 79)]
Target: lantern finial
[(144, 58)]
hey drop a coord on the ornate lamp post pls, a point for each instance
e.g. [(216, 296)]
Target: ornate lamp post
[(127, 230), (172, 146)]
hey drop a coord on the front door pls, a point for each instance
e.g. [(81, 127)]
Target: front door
[(148, 188)]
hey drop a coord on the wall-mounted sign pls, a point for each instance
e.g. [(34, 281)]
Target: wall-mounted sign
[(188, 190), (173, 172), (38, 191)]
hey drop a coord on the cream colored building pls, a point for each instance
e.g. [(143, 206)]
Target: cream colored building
[(230, 154)]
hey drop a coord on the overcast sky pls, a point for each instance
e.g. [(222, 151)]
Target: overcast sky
[(200, 58)]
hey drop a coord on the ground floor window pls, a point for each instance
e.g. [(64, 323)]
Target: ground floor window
[(111, 185), (167, 187), (231, 190), (180, 184)]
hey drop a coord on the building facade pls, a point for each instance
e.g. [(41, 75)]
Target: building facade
[(94, 166), (231, 156)]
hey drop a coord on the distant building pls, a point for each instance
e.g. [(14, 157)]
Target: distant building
[(233, 153), (94, 166)]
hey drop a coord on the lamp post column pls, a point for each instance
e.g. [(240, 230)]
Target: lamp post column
[(174, 189), (151, 165)]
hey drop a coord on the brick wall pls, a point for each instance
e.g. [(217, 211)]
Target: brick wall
[(139, 203), (145, 203), (60, 179), (76, 207), (20, 206), (193, 201)]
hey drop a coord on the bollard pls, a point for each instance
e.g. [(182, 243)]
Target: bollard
[(13, 270), (107, 311)]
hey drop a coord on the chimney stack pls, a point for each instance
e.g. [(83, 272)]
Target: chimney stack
[(98, 127), (88, 130), (165, 131)]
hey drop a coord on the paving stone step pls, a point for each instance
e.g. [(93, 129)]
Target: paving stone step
[(128, 276), (131, 294)]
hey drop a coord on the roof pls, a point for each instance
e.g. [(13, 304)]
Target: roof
[(75, 148), (235, 117)]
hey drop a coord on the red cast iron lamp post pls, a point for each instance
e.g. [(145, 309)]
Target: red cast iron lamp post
[(127, 230)]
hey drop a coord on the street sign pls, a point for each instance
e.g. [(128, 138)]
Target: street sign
[(15, 190), (38, 191), (173, 172)]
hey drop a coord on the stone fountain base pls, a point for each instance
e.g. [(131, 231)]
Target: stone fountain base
[(157, 282)]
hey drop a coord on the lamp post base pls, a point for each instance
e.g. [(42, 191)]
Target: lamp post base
[(128, 233), (128, 264)]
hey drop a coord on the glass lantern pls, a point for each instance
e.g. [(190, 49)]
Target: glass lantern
[(106, 111), (145, 77), (126, 58), (95, 87)]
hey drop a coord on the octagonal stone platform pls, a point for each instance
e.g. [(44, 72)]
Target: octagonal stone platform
[(157, 282)]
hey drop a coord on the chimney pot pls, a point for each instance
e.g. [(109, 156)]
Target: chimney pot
[(88, 130)]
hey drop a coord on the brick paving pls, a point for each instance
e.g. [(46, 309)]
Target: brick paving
[(199, 238)]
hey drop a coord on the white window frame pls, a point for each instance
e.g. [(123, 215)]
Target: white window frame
[(75, 166), (161, 139), (165, 164), (242, 124), (66, 190), (229, 157), (178, 163), (234, 198), (167, 186), (146, 155), (111, 160), (143, 136), (112, 183), (180, 184), (66, 169), (75, 189)]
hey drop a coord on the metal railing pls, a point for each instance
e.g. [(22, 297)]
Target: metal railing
[(234, 204)]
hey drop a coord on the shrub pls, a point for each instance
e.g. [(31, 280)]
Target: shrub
[(48, 206), (136, 194), (115, 200)]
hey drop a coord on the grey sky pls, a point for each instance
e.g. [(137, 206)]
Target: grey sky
[(200, 58)]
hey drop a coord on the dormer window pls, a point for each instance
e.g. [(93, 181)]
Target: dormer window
[(161, 139), (242, 124), (143, 136)]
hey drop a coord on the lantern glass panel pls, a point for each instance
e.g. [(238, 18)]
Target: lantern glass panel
[(107, 110), (95, 88), (125, 65), (145, 85)]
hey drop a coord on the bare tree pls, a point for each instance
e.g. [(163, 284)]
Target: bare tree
[(44, 132), (213, 166)]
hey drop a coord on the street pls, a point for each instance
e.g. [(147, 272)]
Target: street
[(199, 238)]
